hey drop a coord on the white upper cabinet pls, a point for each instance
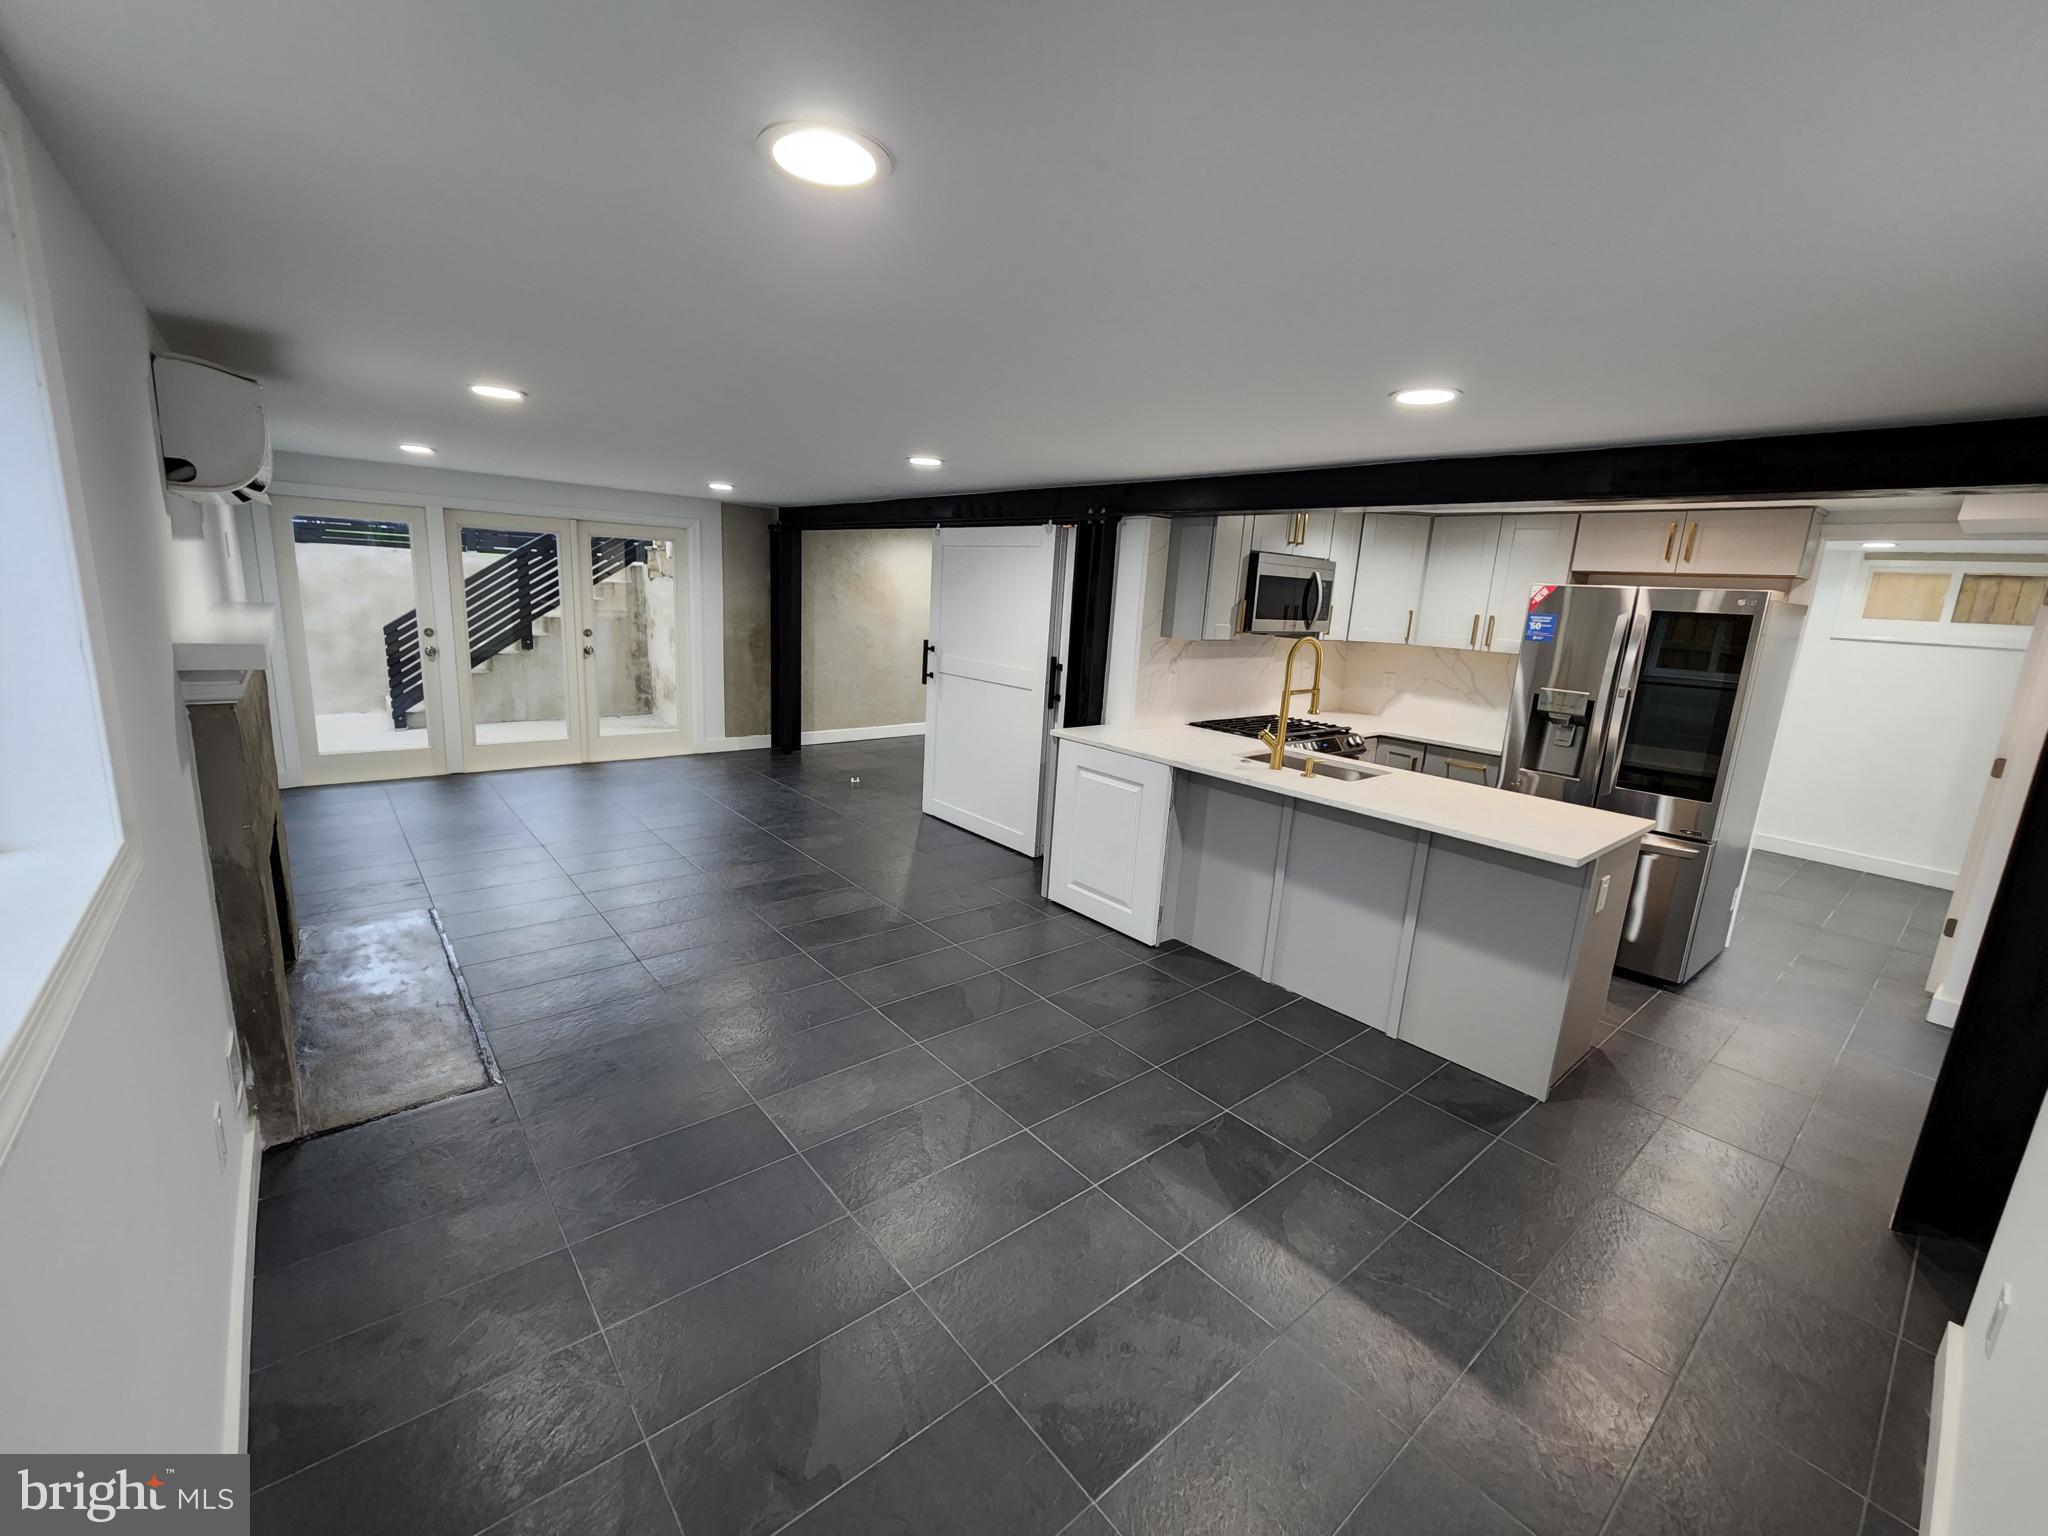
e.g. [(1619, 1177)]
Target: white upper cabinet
[(1700, 541), (1276, 531), (1628, 541), (1746, 541), (1393, 548), (1204, 577), (1295, 533), (1535, 549), (1457, 582), (1344, 530)]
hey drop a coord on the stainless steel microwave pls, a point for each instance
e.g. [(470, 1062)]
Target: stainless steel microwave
[(1287, 594)]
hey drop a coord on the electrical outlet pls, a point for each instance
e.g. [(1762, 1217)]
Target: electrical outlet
[(1606, 884), (1387, 681), (220, 1136)]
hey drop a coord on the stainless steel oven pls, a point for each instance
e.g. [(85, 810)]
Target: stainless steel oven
[(1287, 594)]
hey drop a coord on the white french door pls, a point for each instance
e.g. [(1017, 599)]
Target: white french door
[(569, 639), (635, 640), (992, 644), (355, 590), (518, 663)]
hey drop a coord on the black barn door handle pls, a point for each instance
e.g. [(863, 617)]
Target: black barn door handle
[(926, 664)]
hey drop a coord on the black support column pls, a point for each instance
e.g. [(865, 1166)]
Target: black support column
[(1088, 623), (1994, 1078), (785, 637)]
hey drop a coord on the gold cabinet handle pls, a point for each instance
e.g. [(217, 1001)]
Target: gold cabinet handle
[(1489, 632), (1670, 538), (1459, 762), (1409, 633), (1692, 537), (1472, 640)]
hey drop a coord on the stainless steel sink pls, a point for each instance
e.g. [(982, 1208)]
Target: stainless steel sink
[(1326, 767)]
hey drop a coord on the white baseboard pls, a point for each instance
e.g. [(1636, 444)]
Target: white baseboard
[(734, 743), (1849, 858), (234, 1427), (1944, 1436), (1943, 1008), (863, 733)]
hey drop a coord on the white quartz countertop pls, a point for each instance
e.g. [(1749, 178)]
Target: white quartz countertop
[(1571, 835)]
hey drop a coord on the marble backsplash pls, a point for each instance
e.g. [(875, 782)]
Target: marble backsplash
[(1181, 680)]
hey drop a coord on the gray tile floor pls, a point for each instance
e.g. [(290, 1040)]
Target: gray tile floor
[(839, 1184)]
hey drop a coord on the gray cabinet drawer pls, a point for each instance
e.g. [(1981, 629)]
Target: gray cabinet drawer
[(1467, 767), (1391, 753)]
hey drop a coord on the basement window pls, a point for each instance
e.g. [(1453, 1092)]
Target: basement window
[(1987, 597)]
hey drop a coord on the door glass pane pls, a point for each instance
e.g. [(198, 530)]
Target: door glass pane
[(356, 605), (1915, 595), (1685, 703), (512, 592), (634, 616), (1986, 599)]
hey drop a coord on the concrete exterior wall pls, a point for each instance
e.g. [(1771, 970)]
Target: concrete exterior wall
[(746, 620), (867, 608), (348, 595)]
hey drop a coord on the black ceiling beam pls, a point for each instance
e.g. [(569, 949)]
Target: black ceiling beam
[(2010, 454)]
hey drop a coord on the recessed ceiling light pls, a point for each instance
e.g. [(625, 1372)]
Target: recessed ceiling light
[(925, 461), (1879, 544), (720, 486), (419, 448), (497, 392), (824, 156), (1425, 395)]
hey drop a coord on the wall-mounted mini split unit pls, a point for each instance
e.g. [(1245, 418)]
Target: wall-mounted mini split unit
[(210, 428)]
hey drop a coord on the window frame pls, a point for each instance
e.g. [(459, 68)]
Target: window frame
[(2002, 557)]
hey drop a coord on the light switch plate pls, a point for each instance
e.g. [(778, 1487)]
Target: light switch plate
[(1998, 1316)]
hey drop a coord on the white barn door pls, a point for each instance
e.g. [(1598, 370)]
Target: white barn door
[(989, 661)]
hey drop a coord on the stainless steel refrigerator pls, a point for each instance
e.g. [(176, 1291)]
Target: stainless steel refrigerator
[(1659, 702)]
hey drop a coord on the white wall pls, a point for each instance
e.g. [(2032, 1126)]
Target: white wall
[(1881, 756), (1999, 1485), (123, 1236)]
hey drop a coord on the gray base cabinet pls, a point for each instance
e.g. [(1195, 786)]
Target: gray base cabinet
[(1496, 961)]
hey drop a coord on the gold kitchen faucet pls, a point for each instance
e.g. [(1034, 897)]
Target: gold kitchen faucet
[(1277, 737)]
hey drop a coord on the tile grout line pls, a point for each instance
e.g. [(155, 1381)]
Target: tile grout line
[(1032, 1128)]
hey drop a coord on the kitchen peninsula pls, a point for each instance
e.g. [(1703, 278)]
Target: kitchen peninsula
[(1478, 924)]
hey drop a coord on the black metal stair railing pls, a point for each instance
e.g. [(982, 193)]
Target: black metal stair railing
[(503, 600)]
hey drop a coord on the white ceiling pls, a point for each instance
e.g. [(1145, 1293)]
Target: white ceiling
[(1128, 239)]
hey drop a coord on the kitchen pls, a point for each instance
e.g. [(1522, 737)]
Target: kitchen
[(1621, 671)]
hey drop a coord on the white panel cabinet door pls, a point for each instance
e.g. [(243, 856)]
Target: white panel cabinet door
[(1109, 821), (1318, 534), (1393, 548), (1457, 583), (1624, 542), (1226, 577), (1276, 531), (1535, 549), (1344, 533), (994, 596), (1745, 541)]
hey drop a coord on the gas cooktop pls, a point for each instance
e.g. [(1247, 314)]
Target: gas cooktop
[(1312, 735)]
